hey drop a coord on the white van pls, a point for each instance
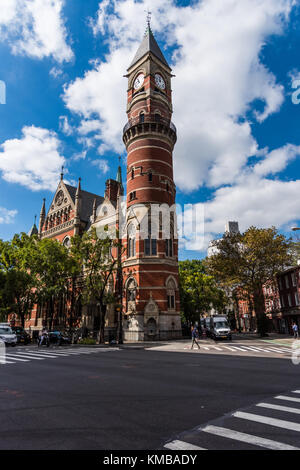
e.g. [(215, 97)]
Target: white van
[(218, 328)]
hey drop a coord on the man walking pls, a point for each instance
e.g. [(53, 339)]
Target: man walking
[(195, 336), (295, 330)]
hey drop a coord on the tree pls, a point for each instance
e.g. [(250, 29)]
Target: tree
[(198, 290), (53, 267), (247, 261), (17, 283), (95, 256)]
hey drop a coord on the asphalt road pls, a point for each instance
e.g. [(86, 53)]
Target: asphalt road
[(130, 399)]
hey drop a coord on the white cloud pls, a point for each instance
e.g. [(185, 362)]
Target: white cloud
[(65, 126), (34, 161), (277, 160), (219, 74), (7, 216), (35, 28), (102, 165)]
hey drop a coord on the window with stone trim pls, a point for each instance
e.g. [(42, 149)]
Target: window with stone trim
[(171, 288), (131, 241)]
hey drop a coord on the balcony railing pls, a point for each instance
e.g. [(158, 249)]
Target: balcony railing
[(149, 120)]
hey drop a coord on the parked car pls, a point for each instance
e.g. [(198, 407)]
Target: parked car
[(22, 335), (7, 335), (57, 337)]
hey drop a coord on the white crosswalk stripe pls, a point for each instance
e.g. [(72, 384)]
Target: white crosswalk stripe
[(280, 423), (283, 397), (271, 406), (180, 445), (248, 438), (240, 420), (28, 355)]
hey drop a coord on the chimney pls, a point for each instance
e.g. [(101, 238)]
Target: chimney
[(111, 190)]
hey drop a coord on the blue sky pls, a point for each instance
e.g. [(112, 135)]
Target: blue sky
[(235, 61)]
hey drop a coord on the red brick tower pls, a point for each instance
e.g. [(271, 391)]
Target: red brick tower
[(150, 266)]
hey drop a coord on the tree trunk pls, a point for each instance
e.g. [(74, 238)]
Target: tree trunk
[(259, 308), (102, 321)]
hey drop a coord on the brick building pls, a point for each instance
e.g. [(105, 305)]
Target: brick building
[(150, 295)]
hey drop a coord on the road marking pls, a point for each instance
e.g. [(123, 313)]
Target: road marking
[(255, 349), (282, 397), (279, 408), (11, 356), (279, 423), (29, 356), (181, 445), (216, 347), (227, 347), (248, 438), (6, 362), (38, 355), (241, 349), (279, 350), (296, 391), (204, 347)]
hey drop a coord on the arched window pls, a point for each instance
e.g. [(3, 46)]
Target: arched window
[(157, 117), (131, 295), (132, 173), (142, 117), (171, 288), (67, 242), (169, 247), (150, 242), (131, 241), (150, 176)]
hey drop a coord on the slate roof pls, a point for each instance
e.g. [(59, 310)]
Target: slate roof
[(87, 201), (149, 44)]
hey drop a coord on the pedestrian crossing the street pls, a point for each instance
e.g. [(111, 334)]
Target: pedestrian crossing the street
[(273, 424), (33, 354)]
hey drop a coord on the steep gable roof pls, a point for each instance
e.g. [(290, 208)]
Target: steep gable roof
[(149, 44)]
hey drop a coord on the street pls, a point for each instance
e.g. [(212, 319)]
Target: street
[(135, 398)]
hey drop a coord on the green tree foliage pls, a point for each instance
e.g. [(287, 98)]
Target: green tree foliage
[(53, 266), (199, 291), (17, 280), (96, 257), (248, 261)]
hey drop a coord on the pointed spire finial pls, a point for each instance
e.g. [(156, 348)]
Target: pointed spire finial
[(148, 21), (62, 173), (35, 220)]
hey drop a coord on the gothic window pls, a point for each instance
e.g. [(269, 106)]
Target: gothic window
[(169, 247), (167, 187), (150, 243), (171, 287), (157, 117), (132, 195), (132, 173), (150, 176), (142, 117), (67, 242), (131, 241)]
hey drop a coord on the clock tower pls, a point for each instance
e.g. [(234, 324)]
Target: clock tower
[(150, 261)]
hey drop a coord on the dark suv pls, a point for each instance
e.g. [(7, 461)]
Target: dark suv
[(57, 337), (22, 336)]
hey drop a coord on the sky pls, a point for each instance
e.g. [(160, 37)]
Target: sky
[(236, 99)]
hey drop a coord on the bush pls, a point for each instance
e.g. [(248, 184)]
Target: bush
[(89, 341)]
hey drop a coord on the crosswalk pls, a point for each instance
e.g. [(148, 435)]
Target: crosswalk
[(280, 350), (31, 354), (268, 424)]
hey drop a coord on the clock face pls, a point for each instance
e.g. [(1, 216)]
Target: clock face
[(59, 198), (159, 81), (138, 82)]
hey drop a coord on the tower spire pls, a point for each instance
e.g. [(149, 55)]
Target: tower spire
[(119, 178), (42, 216), (62, 173)]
